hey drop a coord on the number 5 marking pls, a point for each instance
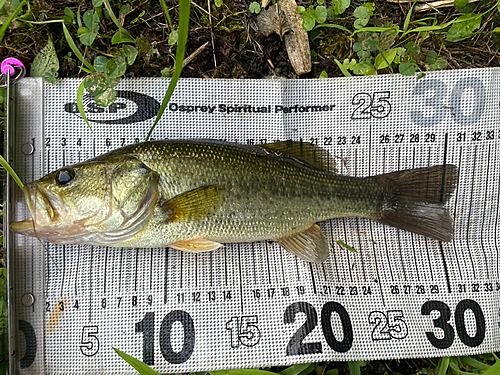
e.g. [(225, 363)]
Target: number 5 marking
[(90, 343)]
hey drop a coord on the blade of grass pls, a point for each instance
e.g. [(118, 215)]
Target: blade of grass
[(79, 103), (343, 69), (346, 246), (167, 14), (249, 371), (75, 50), (456, 368), (335, 26), (376, 29), (443, 365), (182, 32), (115, 20), (493, 370), (11, 171), (475, 363), (354, 367), (295, 369), (4, 27), (142, 368), (408, 17)]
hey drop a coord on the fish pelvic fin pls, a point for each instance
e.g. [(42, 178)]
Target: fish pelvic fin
[(198, 245), (309, 245), (194, 205), (414, 200)]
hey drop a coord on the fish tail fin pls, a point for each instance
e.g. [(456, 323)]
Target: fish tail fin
[(414, 200)]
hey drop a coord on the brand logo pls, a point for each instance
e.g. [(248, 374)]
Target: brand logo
[(145, 107)]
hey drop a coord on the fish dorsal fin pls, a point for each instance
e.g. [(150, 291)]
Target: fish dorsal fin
[(309, 245), (194, 205), (304, 152), (198, 245)]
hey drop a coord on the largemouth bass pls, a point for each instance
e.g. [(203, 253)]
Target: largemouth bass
[(195, 195)]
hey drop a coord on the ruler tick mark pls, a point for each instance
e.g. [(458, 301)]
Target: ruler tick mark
[(165, 278)]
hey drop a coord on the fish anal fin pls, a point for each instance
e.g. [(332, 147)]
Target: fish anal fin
[(198, 245), (314, 156), (194, 205), (309, 245)]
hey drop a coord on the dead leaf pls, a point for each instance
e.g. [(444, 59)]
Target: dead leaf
[(272, 20)]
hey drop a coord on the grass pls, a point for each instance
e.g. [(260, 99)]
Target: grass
[(105, 41)]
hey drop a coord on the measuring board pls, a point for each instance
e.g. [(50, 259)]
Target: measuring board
[(253, 304)]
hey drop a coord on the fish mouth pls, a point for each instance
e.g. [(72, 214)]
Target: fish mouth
[(41, 204)]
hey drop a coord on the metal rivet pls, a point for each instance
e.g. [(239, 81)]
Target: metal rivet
[(28, 299), (28, 149)]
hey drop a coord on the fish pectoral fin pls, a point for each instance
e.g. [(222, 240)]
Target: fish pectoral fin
[(313, 156), (198, 245), (309, 245), (194, 205)]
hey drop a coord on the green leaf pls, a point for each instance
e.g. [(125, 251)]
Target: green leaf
[(320, 14), (106, 98), (309, 17), (496, 29), (321, 2), (173, 37), (124, 10), (435, 62), (46, 63), (100, 63), (79, 102), (461, 3), (95, 83), (87, 38), (300, 9), (69, 17), (380, 63), (218, 3), (340, 6), (364, 68), (412, 48), (115, 68), (323, 74), (361, 12), (91, 20), (166, 72), (142, 368), (97, 3), (130, 53), (408, 68), (254, 7), (464, 27), (122, 36)]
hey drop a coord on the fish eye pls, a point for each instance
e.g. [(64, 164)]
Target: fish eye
[(65, 176)]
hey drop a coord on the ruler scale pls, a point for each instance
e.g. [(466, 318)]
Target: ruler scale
[(253, 304)]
